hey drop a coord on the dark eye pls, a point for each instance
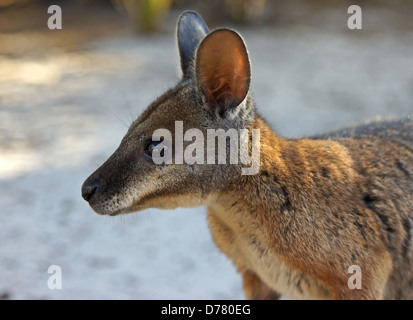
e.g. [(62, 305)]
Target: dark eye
[(150, 146)]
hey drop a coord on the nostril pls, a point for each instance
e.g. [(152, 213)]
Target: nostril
[(88, 191)]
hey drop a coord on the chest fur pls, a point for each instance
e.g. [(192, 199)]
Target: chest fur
[(246, 244)]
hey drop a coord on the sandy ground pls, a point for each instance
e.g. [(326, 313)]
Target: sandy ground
[(62, 113)]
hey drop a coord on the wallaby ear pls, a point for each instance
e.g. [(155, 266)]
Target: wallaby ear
[(223, 69), (191, 30)]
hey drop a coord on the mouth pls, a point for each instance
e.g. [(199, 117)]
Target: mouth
[(117, 212), (120, 211)]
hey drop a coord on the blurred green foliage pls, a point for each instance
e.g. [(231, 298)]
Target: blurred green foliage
[(148, 15)]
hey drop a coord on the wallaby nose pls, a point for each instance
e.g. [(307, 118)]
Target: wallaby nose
[(88, 190)]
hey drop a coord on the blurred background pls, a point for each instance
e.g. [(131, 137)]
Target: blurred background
[(68, 96)]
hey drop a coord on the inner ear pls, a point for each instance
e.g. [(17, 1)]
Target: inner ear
[(223, 69)]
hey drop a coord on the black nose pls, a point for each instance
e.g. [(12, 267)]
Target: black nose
[(88, 190)]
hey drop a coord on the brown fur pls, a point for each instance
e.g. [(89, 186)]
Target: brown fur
[(317, 206)]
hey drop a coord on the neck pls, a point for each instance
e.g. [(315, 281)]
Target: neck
[(294, 176)]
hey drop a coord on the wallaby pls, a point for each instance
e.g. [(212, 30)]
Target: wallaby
[(317, 206)]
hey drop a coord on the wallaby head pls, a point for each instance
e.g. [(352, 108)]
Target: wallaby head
[(212, 94)]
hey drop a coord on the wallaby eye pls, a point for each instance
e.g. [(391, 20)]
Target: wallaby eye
[(151, 145)]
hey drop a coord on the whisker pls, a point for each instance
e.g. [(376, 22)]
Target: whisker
[(132, 117), (116, 116)]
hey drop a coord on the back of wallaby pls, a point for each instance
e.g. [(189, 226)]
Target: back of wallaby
[(327, 217)]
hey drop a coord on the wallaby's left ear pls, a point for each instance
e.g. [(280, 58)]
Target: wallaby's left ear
[(191, 30), (223, 69)]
